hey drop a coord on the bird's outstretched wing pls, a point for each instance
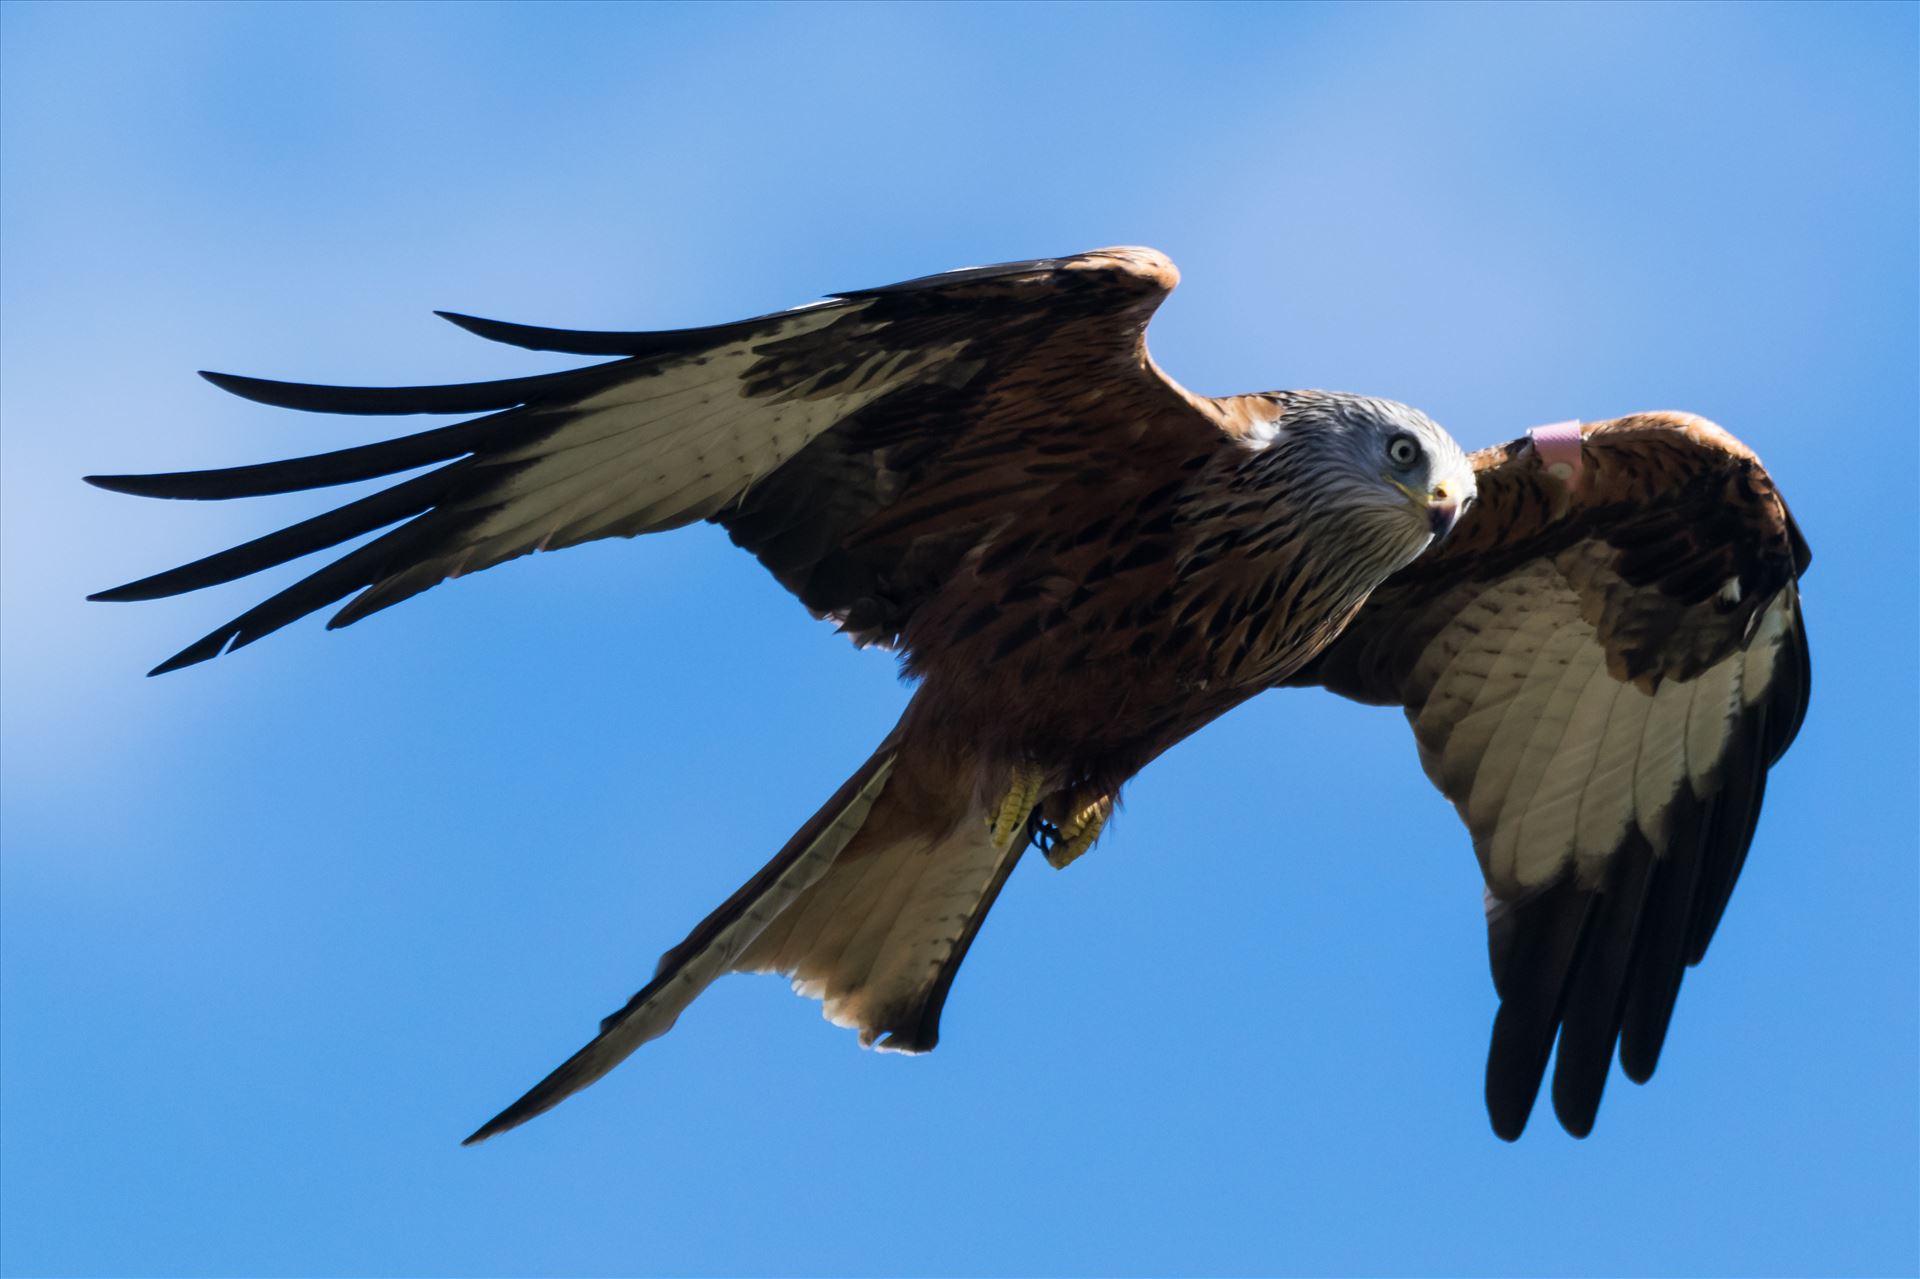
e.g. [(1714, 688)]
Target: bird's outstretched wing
[(1599, 665), (859, 446)]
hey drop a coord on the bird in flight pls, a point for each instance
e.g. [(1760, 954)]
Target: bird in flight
[(1594, 630)]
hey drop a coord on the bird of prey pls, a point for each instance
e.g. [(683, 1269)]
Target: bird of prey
[(1080, 563)]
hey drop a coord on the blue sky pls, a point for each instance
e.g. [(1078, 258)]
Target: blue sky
[(277, 931)]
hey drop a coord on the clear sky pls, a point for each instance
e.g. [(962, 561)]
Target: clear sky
[(280, 929)]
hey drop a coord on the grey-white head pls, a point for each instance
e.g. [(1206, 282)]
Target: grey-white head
[(1375, 472)]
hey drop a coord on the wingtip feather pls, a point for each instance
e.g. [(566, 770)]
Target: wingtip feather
[(575, 1073), (202, 650), (126, 593), (232, 383), (472, 324), (538, 1100), (492, 1127)]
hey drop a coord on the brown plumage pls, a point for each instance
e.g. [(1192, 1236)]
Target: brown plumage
[(1081, 563)]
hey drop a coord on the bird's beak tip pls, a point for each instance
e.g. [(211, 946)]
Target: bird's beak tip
[(1444, 508), (1443, 504)]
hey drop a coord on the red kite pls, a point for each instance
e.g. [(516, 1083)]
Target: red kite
[(1081, 563)]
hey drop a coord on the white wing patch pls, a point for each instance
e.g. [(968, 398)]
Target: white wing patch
[(1556, 758), (670, 448), (1763, 650)]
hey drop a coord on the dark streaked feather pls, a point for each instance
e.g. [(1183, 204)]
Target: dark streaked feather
[(342, 466), (1533, 945), (967, 275), (1737, 815), (376, 510), (646, 343), (1654, 986), (1597, 990), (335, 582), (456, 397)]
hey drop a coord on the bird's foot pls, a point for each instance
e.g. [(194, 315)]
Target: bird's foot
[(1078, 832), (1010, 819)]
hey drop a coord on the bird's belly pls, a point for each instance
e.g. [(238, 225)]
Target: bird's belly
[(1091, 705), (1095, 669)]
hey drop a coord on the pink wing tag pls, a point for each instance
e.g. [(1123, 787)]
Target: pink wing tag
[(1559, 448)]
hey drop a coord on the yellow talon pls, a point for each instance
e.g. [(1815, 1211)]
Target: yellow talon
[(1078, 832), (1023, 792)]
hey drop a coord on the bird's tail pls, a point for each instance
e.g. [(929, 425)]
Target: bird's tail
[(870, 908)]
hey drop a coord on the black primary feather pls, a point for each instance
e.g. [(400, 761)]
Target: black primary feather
[(342, 466), (645, 343), (1534, 944), (453, 397), (1654, 986), (1596, 993), (357, 569)]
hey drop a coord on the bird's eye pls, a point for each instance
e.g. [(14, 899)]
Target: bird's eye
[(1403, 450)]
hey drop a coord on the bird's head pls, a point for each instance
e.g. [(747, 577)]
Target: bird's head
[(1375, 465)]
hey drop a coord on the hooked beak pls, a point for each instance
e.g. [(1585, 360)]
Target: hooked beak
[(1444, 507)]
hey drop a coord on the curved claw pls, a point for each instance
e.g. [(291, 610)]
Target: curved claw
[(1078, 833), (1010, 820)]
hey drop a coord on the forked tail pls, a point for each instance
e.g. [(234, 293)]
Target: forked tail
[(870, 908)]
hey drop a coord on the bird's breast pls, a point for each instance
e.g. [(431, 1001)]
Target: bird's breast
[(1098, 656)]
